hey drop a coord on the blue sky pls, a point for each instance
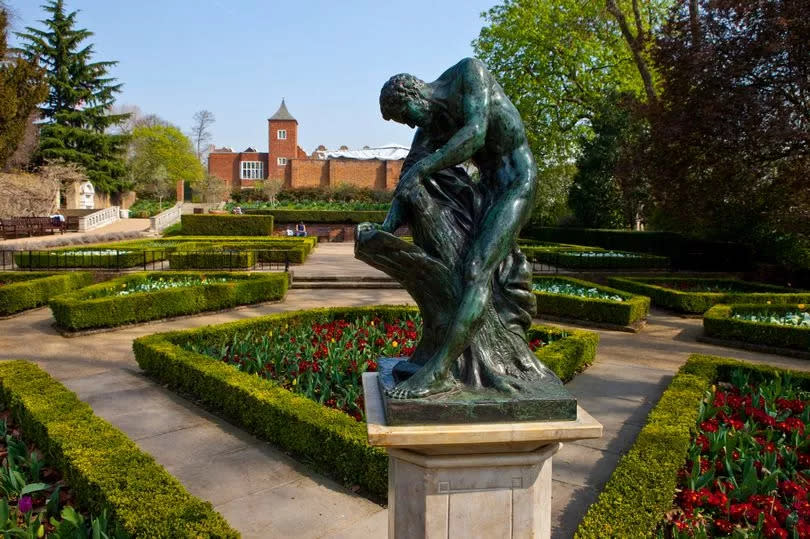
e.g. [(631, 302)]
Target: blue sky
[(238, 58)]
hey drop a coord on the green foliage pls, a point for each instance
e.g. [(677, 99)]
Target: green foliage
[(568, 351), (227, 225), (329, 440), (144, 208), (88, 308), (76, 111), (104, 468), (642, 487), (595, 258), (321, 216), (162, 145), (22, 88), (343, 196), (622, 313), (698, 302), (211, 258), (28, 290), (683, 251), (84, 257), (595, 196), (718, 323)]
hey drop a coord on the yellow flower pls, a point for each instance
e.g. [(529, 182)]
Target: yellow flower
[(802, 306), (270, 334), (333, 339), (372, 323), (395, 344), (769, 302), (295, 381)]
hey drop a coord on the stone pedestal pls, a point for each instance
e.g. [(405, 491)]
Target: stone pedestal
[(470, 480)]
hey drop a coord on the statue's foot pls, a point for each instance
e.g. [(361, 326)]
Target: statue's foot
[(429, 380)]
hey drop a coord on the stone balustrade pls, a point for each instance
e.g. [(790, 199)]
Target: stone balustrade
[(99, 219), (166, 218)]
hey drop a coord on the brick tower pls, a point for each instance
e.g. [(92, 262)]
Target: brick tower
[(282, 142)]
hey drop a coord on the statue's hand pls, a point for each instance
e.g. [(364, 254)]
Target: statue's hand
[(366, 227)]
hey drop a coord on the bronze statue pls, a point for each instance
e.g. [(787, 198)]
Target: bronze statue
[(464, 269)]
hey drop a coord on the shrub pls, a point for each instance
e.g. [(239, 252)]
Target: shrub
[(718, 323), (698, 302), (684, 252), (330, 440), (91, 307), (589, 258), (227, 225), (28, 290), (104, 468), (211, 259), (102, 256), (623, 313), (322, 216), (641, 489)]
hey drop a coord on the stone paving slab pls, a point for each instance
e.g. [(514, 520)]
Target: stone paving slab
[(328, 260)]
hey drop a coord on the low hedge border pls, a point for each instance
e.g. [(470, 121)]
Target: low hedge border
[(625, 313), (104, 468), (641, 489), (699, 302), (69, 258), (79, 310), (227, 225), (331, 441), (29, 290), (719, 324), (322, 216), (211, 259), (578, 259)]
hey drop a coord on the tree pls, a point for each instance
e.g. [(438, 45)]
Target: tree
[(730, 141), (212, 189), (75, 113), (594, 196), (158, 185), (22, 88), (160, 146), (558, 60), (200, 135)]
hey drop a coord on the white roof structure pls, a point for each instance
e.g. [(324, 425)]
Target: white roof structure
[(389, 152)]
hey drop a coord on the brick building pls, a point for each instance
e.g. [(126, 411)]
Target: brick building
[(375, 168)]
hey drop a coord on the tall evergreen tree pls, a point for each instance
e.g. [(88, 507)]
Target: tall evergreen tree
[(81, 93), (22, 88)]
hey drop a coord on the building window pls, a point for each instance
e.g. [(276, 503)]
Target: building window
[(252, 170), (281, 161), (282, 134)]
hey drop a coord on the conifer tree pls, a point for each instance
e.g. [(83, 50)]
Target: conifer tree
[(81, 93), (22, 88)]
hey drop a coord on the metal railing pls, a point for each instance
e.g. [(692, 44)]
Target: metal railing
[(121, 260), (585, 261)]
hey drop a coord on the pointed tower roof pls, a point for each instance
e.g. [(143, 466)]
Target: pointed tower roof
[(282, 113)]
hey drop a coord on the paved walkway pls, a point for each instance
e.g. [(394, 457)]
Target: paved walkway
[(122, 228), (335, 260), (264, 493)]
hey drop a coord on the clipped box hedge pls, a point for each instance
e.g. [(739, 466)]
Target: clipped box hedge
[(322, 216), (581, 259), (104, 468), (331, 441), (82, 309), (641, 489), (622, 313), (699, 302), (25, 290), (202, 258), (86, 257), (719, 324), (227, 225)]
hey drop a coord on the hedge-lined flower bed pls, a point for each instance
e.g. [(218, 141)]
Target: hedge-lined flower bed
[(331, 440), (211, 259), (105, 470), (576, 299), (227, 225), (25, 290), (639, 495), (100, 306), (282, 216), (782, 326), (596, 258), (91, 257), (296, 249), (694, 295)]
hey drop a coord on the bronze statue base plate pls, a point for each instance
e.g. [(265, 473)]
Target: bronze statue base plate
[(547, 401)]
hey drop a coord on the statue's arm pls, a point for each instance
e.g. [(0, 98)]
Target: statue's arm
[(468, 140), (396, 216)]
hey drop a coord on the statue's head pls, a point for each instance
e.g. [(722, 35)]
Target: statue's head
[(403, 100)]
